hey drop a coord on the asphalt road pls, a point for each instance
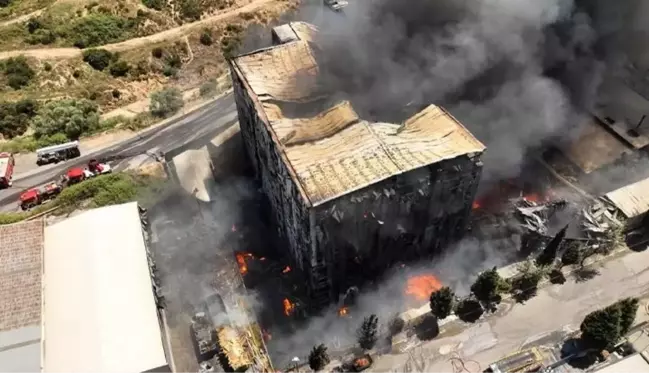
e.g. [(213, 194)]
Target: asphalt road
[(205, 123)]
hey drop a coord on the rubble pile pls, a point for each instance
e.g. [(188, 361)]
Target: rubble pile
[(597, 223), (600, 217)]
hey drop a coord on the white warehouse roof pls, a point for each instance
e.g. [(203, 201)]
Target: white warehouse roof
[(100, 313)]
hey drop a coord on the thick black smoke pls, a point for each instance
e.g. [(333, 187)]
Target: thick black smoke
[(518, 73)]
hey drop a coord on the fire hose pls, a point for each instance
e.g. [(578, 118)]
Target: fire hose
[(459, 365)]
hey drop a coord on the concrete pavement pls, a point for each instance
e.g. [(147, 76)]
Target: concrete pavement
[(555, 308), (206, 122)]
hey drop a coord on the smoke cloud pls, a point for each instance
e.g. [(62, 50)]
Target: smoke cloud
[(516, 72)]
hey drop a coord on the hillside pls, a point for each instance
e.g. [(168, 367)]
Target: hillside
[(117, 53)]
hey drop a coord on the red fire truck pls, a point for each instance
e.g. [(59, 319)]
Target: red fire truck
[(34, 197), (6, 169)]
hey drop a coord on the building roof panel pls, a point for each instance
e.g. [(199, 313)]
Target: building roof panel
[(100, 312), (334, 152), (633, 199)]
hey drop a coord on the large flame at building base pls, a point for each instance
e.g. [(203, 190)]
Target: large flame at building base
[(420, 287)]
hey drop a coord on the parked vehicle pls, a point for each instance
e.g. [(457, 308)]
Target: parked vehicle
[(57, 153), (29, 199), (99, 168), (34, 197), (76, 175), (336, 5), (7, 163)]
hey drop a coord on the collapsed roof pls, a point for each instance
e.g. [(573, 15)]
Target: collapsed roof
[(333, 151)]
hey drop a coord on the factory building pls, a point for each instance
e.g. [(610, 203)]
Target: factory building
[(349, 197)]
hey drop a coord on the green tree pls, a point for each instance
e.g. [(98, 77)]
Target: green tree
[(441, 302), (601, 329), (367, 332), (572, 254), (549, 254), (70, 117), (318, 357), (4, 3), (15, 117), (628, 309), (18, 72), (98, 59), (166, 102), (488, 286), (469, 310)]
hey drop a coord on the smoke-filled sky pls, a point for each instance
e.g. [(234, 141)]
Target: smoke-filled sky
[(516, 72)]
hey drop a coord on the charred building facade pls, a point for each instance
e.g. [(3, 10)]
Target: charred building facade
[(350, 197)]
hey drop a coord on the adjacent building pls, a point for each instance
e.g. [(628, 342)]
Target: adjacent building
[(80, 295), (350, 197)]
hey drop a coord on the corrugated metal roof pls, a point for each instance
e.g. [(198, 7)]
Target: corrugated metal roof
[(594, 148), (100, 312), (634, 363), (334, 152), (633, 199)]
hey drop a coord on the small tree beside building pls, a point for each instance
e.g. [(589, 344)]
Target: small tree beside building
[(318, 357), (488, 287), (442, 302), (367, 332), (602, 329)]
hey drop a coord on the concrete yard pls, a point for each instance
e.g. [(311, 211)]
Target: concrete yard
[(556, 308)]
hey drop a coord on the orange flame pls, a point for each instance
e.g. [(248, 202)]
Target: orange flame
[(533, 197), (286, 270), (343, 311), (476, 205), (288, 307), (241, 261), (422, 286)]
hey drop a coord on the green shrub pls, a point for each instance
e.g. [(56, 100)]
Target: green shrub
[(33, 24), (209, 88), (206, 37), (119, 68), (157, 52), (116, 93), (70, 117), (47, 66), (77, 74), (18, 72), (99, 29), (4, 3), (229, 46), (140, 121), (190, 10), (41, 36), (166, 102), (169, 71), (98, 59), (173, 60), (15, 117), (154, 4)]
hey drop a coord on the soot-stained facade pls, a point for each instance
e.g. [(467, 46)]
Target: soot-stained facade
[(350, 197)]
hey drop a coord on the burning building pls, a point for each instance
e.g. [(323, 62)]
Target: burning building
[(349, 196)]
